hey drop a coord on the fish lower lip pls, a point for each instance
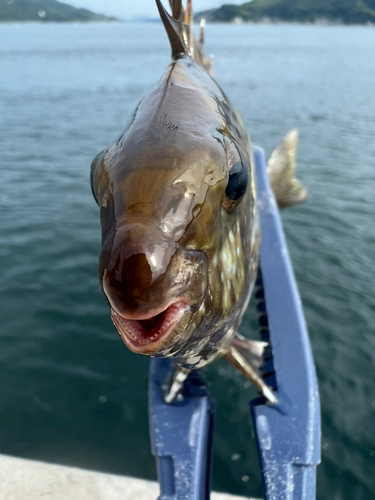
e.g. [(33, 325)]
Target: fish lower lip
[(145, 332)]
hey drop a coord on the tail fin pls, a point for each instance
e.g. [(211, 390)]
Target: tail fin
[(281, 173)]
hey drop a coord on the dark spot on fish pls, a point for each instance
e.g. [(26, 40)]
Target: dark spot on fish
[(170, 125)]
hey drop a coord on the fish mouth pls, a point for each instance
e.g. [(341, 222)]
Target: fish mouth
[(149, 332)]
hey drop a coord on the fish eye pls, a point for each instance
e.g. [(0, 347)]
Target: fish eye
[(237, 183), (238, 178)]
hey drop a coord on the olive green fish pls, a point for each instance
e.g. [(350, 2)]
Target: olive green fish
[(179, 215)]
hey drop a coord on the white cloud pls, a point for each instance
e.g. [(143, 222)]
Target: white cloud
[(130, 8)]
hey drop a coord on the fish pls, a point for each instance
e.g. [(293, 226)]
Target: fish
[(179, 215)]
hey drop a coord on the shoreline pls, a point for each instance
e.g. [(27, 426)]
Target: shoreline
[(244, 23), (118, 21), (289, 23)]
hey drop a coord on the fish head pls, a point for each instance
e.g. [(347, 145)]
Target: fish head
[(176, 199)]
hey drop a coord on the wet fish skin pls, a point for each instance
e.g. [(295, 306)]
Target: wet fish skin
[(175, 249), (160, 188)]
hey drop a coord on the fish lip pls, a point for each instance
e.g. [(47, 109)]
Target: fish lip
[(134, 334)]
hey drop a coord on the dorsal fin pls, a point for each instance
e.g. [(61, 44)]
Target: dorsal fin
[(176, 7), (188, 11), (180, 30), (173, 27)]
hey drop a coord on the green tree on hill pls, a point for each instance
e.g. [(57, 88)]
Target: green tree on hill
[(346, 11), (46, 11)]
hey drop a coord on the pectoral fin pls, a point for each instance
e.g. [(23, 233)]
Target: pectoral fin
[(247, 356), (251, 350)]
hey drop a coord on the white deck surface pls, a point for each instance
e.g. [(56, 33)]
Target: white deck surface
[(28, 480)]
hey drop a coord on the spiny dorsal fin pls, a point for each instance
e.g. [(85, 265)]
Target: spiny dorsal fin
[(180, 30), (188, 11), (176, 7), (173, 27), (202, 28)]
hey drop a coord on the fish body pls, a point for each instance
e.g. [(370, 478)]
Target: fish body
[(178, 208)]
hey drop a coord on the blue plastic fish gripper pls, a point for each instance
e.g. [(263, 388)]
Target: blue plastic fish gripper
[(288, 433)]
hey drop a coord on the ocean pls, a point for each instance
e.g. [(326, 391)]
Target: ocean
[(71, 392)]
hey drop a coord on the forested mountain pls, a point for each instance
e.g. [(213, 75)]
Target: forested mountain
[(46, 10), (345, 11)]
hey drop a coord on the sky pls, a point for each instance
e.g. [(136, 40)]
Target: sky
[(134, 8)]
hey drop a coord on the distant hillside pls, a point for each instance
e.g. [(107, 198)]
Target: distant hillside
[(344, 11), (46, 10)]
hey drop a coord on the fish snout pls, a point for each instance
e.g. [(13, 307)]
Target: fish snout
[(144, 273)]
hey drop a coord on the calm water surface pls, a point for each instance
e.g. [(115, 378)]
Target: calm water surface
[(70, 391)]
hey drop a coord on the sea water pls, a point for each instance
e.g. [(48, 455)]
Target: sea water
[(71, 392)]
